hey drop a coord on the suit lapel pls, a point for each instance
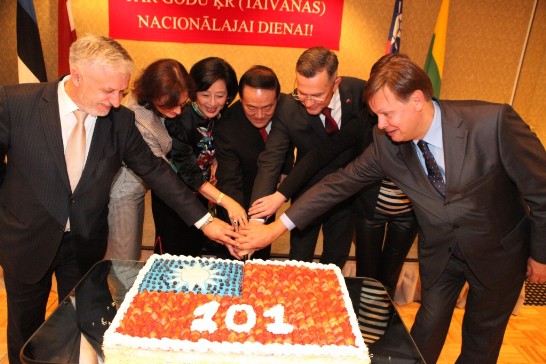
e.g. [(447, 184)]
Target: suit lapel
[(50, 121), (345, 97), (408, 154), (313, 120), (102, 129), (455, 139)]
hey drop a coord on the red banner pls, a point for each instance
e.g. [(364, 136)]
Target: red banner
[(276, 23)]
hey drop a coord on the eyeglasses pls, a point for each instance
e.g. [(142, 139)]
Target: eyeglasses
[(303, 98), (315, 99)]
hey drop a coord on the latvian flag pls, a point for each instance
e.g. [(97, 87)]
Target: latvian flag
[(31, 64)]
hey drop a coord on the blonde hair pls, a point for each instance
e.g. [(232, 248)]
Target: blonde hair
[(92, 50)]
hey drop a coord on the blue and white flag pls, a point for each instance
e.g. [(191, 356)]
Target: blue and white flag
[(393, 43), (30, 63)]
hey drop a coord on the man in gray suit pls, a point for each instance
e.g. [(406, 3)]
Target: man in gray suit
[(53, 211), (483, 221)]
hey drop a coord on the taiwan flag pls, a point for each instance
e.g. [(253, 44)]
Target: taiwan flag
[(393, 43)]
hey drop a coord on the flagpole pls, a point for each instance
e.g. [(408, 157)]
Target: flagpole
[(524, 50)]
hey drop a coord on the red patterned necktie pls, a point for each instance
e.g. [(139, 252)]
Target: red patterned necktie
[(75, 150), (263, 132), (329, 123)]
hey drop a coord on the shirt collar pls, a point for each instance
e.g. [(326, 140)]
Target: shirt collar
[(335, 102), (434, 134), (66, 105)]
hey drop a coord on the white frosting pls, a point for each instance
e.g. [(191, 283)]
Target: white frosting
[(113, 339), (206, 323), (278, 326)]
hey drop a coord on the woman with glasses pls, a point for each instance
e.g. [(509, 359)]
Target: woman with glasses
[(193, 156), (161, 91)]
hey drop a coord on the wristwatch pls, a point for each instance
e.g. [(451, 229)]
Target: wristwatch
[(208, 221)]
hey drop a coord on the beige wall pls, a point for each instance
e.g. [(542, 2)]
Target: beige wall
[(484, 45)]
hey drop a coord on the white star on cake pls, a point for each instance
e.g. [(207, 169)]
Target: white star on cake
[(195, 275)]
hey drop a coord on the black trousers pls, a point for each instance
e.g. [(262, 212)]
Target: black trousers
[(337, 230), (382, 244), (172, 234), (485, 319), (27, 302)]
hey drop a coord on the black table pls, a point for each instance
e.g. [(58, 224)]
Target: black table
[(91, 306)]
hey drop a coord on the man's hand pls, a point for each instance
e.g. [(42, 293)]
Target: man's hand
[(257, 236), (267, 205), (234, 252), (536, 272), (221, 232)]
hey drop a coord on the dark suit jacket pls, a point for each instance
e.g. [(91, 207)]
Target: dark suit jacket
[(238, 145), (2, 166), (36, 200), (292, 124), (354, 135), (495, 173)]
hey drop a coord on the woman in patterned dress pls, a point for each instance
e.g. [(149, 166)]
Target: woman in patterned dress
[(193, 156)]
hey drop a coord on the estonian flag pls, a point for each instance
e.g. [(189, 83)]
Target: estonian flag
[(31, 64)]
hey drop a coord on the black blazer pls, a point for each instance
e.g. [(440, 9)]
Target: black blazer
[(357, 135), (238, 145), (36, 199), (292, 124), (495, 204), (2, 166)]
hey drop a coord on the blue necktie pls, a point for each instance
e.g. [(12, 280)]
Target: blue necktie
[(434, 174)]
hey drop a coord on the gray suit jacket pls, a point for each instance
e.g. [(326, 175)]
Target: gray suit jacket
[(36, 199), (495, 206)]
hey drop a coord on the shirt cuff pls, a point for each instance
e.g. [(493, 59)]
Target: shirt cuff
[(202, 220), (287, 222)]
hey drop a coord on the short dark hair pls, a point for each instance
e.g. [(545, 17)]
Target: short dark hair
[(209, 70), (260, 77), (400, 75), (164, 77), (316, 59)]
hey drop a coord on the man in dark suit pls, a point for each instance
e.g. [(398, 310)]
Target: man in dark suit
[(299, 121), (240, 137), (482, 218), (53, 211)]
